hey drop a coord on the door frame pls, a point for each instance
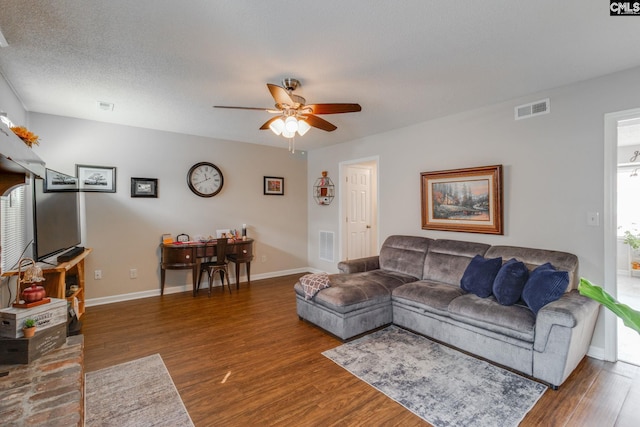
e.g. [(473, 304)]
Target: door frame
[(342, 205), (610, 224)]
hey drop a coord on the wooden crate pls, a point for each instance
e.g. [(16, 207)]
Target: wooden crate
[(46, 316), (26, 350)]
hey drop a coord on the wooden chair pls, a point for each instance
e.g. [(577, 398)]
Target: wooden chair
[(219, 265)]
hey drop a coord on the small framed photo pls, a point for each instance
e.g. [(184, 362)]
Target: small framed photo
[(274, 186), (144, 187), (96, 178), (55, 181)]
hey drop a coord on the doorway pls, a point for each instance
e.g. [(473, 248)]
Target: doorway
[(622, 204), (359, 208)]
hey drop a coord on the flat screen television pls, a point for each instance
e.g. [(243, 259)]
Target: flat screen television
[(56, 221)]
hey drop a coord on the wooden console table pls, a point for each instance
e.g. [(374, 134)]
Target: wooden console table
[(55, 283), (189, 256)]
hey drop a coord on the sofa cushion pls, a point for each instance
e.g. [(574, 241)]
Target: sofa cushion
[(404, 254), (479, 276), (534, 258), (448, 259), (430, 296), (545, 285), (509, 282), (515, 321)]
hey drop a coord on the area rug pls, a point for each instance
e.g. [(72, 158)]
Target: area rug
[(137, 393), (442, 386)]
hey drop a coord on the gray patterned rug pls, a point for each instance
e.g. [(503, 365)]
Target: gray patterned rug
[(137, 393), (441, 385)]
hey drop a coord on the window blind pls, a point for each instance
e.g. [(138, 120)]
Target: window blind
[(14, 227)]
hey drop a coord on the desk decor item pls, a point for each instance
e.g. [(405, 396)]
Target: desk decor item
[(96, 178), (205, 179), (273, 186), (144, 187), (34, 295), (468, 200)]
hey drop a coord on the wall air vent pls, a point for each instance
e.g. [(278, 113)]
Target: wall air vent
[(326, 246), (533, 109), (105, 106)]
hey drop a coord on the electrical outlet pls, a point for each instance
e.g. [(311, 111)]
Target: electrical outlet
[(593, 219), (97, 274), (133, 273), (263, 258)]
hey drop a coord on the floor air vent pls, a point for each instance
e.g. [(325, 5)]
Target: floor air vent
[(533, 109), (326, 246)]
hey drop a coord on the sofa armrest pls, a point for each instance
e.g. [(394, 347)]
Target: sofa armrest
[(359, 265), (569, 311)]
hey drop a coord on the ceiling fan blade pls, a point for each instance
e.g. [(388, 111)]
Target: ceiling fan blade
[(333, 108), (266, 124), (244, 108), (319, 123), (281, 95)]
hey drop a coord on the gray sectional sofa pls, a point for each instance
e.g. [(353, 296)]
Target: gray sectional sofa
[(415, 283)]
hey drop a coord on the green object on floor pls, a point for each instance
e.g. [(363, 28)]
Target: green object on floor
[(629, 316)]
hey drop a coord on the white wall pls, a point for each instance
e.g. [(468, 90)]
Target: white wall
[(125, 232), (553, 170)]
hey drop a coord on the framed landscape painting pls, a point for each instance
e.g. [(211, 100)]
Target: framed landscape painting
[(55, 181), (467, 200), (274, 185)]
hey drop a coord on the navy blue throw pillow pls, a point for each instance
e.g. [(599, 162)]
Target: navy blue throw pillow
[(545, 285), (479, 275), (510, 281)]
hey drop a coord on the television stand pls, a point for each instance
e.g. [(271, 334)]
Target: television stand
[(55, 282)]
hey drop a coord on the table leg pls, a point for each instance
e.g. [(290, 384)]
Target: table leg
[(237, 275), (249, 273), (162, 274), (196, 269)]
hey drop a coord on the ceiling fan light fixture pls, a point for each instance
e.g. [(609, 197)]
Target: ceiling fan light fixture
[(277, 126), (288, 134), (291, 124), (303, 127)]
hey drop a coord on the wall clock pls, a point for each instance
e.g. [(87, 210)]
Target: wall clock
[(205, 179)]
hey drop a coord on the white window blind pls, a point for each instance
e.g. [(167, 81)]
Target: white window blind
[(14, 227)]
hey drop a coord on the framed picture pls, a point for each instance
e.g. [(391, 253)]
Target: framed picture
[(96, 178), (274, 185), (468, 200), (55, 181), (144, 187)]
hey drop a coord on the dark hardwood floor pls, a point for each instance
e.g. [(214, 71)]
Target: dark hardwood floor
[(275, 374)]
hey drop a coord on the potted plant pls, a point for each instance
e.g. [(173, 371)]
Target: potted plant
[(632, 238), (29, 328)]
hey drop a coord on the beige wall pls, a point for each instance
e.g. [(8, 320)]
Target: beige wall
[(553, 170), (124, 232)]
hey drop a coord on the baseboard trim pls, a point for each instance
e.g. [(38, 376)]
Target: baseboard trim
[(596, 352), (172, 289)]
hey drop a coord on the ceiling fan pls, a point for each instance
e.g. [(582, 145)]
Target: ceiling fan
[(294, 115)]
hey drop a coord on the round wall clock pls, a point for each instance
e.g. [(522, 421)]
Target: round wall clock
[(205, 179)]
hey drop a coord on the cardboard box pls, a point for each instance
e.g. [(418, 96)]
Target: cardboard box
[(46, 315), (26, 350)]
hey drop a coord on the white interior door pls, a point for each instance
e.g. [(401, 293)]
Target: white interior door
[(359, 218)]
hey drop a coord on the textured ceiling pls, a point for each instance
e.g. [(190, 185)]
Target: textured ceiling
[(165, 63)]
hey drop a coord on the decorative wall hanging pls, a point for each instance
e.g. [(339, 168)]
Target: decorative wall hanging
[(96, 178), (55, 181), (144, 187), (274, 185), (323, 190), (467, 200)]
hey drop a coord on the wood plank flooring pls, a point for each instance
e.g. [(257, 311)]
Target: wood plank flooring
[(275, 374)]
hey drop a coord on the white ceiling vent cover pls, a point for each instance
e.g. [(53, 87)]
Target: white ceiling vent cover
[(326, 246), (533, 109)]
